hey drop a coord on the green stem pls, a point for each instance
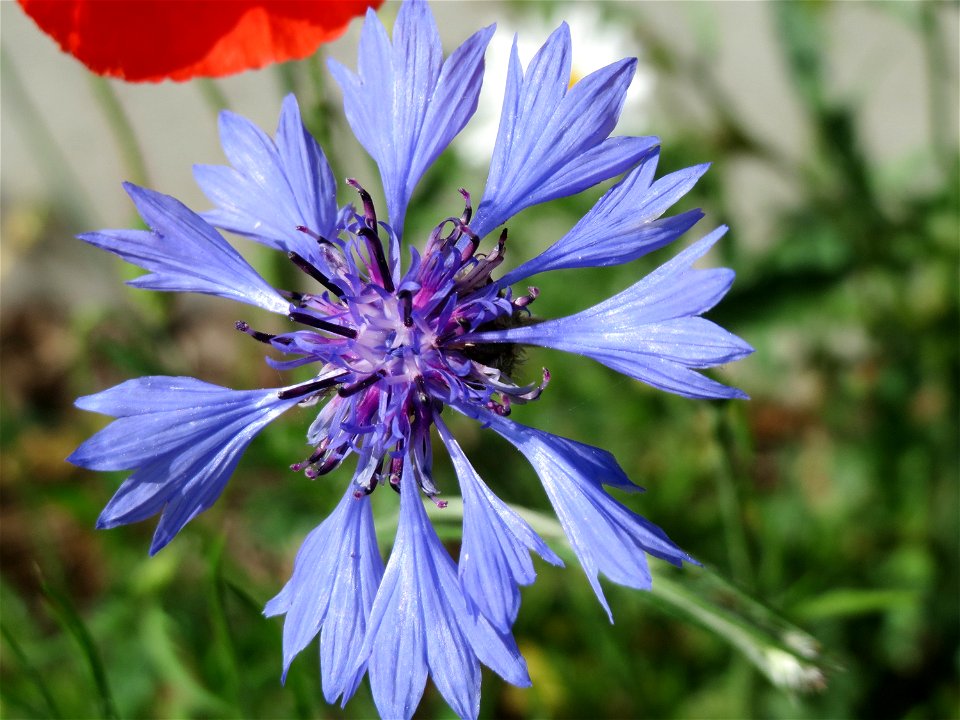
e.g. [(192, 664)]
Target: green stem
[(729, 502), (213, 95), (123, 133), (223, 638), (67, 615), (34, 674), (788, 656)]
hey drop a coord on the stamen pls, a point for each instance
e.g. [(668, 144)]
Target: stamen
[(260, 336), (291, 295), (532, 294), (310, 270), (311, 387), (406, 303), (316, 236), (327, 466), (471, 246), (370, 234), (376, 249), (467, 208), (422, 395), (372, 483), (314, 457), (501, 409), (396, 470), (307, 319), (348, 390), (369, 212)]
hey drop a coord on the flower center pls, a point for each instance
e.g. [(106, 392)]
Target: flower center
[(390, 344)]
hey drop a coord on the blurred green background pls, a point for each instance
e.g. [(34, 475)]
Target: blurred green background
[(831, 497)]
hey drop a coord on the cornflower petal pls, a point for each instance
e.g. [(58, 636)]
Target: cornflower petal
[(184, 254), (183, 437), (547, 132), (622, 225), (606, 536), (420, 618), (650, 331), (274, 187), (494, 554), (405, 104), (334, 581)]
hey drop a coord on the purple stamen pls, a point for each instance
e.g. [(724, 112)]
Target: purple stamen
[(315, 456), (532, 294), (328, 465), (310, 387), (292, 295), (307, 319), (310, 270), (316, 236), (406, 303), (472, 244), (467, 208), (348, 390), (369, 212), (396, 471), (260, 336), (376, 250)]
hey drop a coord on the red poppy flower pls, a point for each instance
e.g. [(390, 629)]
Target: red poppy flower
[(160, 39)]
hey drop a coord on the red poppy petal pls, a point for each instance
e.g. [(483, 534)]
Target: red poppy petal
[(160, 39)]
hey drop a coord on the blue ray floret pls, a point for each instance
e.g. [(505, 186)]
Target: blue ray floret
[(393, 344)]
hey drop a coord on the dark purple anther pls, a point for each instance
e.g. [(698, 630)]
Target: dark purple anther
[(318, 453), (316, 236), (310, 270), (532, 294), (257, 335), (471, 247), (467, 208), (376, 250), (328, 465), (422, 396), (396, 471), (406, 304), (372, 236), (307, 319), (369, 212), (499, 409), (310, 387), (292, 296), (348, 390)]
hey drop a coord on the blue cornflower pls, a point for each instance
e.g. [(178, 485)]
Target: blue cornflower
[(393, 346)]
